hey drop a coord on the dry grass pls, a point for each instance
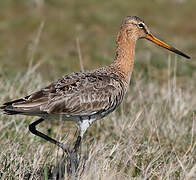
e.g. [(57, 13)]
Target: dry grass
[(151, 136)]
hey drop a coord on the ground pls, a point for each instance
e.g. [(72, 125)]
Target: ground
[(152, 135)]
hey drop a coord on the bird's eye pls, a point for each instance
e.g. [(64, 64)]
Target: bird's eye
[(141, 25)]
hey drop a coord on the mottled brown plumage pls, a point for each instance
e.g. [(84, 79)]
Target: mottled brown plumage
[(84, 97), (76, 94)]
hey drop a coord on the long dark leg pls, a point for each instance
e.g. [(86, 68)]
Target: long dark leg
[(77, 143), (32, 128), (74, 158), (83, 126)]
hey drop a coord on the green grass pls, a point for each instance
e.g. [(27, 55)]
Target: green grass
[(151, 136)]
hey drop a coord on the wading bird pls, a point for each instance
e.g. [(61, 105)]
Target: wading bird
[(84, 97)]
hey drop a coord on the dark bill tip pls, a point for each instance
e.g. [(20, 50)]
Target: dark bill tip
[(180, 53), (157, 41)]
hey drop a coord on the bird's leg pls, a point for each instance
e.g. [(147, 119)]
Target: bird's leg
[(83, 126), (77, 143), (74, 156), (32, 128)]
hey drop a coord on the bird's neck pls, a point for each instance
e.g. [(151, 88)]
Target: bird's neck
[(124, 60)]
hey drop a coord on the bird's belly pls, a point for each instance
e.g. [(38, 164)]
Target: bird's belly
[(76, 118)]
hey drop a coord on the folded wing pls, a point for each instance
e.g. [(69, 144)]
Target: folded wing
[(75, 94)]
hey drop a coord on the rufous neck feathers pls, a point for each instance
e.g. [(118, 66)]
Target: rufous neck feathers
[(124, 60)]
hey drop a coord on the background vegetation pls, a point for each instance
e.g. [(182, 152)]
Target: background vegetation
[(151, 136)]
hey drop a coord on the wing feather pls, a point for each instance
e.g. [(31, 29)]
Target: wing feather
[(81, 93)]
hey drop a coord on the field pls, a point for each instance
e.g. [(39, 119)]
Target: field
[(152, 135)]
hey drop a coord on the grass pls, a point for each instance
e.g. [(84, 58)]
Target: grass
[(151, 136)]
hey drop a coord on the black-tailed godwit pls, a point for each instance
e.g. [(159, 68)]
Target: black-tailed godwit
[(84, 97)]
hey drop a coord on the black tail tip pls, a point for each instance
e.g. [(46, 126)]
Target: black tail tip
[(7, 110), (2, 107)]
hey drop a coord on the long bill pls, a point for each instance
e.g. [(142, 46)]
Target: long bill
[(152, 38)]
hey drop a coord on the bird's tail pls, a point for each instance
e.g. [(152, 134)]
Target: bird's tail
[(9, 109)]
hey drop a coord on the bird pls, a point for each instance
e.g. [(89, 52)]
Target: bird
[(87, 96)]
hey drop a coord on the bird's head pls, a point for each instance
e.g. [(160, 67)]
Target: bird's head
[(134, 28)]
